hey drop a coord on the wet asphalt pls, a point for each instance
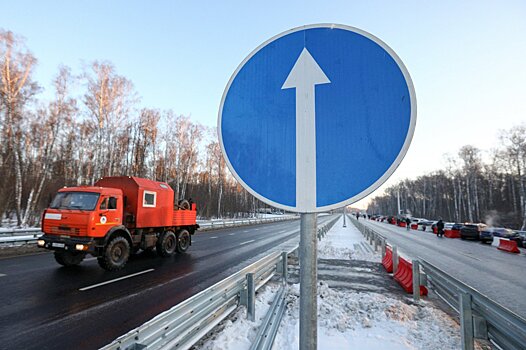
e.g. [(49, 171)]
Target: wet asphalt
[(46, 306)]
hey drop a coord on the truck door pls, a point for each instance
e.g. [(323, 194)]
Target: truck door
[(109, 214)]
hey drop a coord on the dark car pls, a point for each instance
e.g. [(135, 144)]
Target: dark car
[(520, 238), (487, 234), (457, 227), (472, 231)]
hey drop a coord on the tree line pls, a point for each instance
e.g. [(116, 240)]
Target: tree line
[(468, 188), (94, 126)]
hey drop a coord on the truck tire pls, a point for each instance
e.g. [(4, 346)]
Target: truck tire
[(115, 254), (183, 241), (69, 258), (166, 244)]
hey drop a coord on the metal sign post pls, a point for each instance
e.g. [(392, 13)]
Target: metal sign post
[(291, 112), (308, 282)]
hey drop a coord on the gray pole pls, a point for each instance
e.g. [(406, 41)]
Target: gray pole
[(398, 198), (344, 224), (416, 280), (308, 283)]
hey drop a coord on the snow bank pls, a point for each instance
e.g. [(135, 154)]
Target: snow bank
[(347, 319), (238, 332), (346, 243), (350, 320)]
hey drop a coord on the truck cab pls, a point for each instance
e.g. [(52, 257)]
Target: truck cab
[(115, 218), (84, 211)]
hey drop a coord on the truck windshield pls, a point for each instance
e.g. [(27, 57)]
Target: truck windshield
[(75, 200)]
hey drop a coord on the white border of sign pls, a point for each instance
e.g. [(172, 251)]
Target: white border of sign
[(389, 171)]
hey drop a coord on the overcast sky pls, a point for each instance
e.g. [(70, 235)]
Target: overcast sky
[(466, 58)]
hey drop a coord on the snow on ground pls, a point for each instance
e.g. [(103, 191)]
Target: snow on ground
[(346, 243), (347, 319), (353, 320), (238, 332)]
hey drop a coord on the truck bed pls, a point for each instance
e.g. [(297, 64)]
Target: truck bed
[(184, 217)]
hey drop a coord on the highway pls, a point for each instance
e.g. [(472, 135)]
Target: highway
[(45, 306), (499, 275)]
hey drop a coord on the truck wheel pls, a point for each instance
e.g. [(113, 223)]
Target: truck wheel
[(69, 258), (115, 255), (183, 241), (166, 244)]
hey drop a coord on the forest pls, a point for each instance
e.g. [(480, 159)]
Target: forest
[(94, 126), (469, 187)]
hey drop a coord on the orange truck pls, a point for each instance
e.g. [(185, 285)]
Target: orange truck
[(114, 218)]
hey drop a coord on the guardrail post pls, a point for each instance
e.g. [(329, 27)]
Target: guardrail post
[(416, 280), (285, 270), (251, 297), (376, 243), (395, 259), (466, 321), (382, 244)]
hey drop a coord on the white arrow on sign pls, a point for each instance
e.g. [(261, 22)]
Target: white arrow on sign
[(304, 76)]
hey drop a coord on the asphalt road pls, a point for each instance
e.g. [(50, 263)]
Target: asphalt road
[(499, 275), (46, 306)]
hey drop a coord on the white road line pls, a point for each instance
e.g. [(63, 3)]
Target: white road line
[(253, 240), (246, 231), (213, 237), (115, 280), (90, 259), (231, 234), (470, 256), (2, 274)]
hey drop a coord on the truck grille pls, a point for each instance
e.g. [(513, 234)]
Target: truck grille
[(64, 230)]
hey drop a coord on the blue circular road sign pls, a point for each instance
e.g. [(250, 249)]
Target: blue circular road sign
[(317, 117)]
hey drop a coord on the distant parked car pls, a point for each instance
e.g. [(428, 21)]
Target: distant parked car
[(520, 238), (487, 234), (472, 231), (457, 226)]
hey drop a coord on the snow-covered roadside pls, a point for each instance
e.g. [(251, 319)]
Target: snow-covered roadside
[(347, 319)]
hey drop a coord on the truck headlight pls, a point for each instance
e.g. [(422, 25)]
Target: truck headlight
[(81, 247), (41, 242)]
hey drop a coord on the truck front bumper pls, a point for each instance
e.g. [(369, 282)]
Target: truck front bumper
[(73, 244)]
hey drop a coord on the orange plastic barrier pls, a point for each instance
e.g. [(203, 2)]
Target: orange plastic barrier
[(435, 230), (387, 261), (402, 224), (404, 276), (414, 226), (508, 246), (452, 233)]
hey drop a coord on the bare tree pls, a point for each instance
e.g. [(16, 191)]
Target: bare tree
[(16, 90), (109, 99)]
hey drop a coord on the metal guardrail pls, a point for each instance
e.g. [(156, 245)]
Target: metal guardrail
[(31, 235), (184, 324), (213, 224), (480, 317)]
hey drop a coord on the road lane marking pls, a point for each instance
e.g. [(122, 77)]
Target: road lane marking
[(2, 274), (213, 237), (115, 280), (231, 234), (253, 240), (469, 256), (90, 259), (246, 231)]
